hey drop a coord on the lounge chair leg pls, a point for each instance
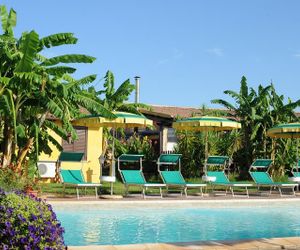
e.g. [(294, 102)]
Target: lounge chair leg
[(160, 190), (279, 188), (126, 190), (111, 188), (247, 192), (294, 193), (212, 189), (201, 191), (231, 189), (271, 190), (64, 190), (143, 192), (96, 192), (185, 191), (77, 191), (85, 191)]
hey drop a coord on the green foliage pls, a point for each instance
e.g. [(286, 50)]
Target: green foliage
[(33, 86), (74, 58), (9, 180), (57, 39), (136, 145), (191, 146), (28, 48), (258, 110), (111, 98), (8, 20)]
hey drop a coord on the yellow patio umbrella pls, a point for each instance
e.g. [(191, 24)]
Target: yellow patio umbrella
[(205, 124), (122, 120), (287, 130)]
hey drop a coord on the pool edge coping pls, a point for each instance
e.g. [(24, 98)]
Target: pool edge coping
[(132, 202), (260, 243)]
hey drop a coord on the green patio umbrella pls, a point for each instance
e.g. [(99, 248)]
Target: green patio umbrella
[(287, 130), (122, 120), (205, 124)]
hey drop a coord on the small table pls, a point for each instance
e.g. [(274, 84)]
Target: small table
[(110, 179), (295, 179), (209, 178)]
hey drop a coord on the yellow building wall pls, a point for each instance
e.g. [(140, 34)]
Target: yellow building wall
[(91, 166)]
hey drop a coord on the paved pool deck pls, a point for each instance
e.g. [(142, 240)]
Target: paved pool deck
[(136, 200), (290, 243)]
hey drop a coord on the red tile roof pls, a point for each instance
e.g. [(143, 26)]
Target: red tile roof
[(174, 111)]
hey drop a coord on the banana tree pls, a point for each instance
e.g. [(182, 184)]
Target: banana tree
[(33, 87), (245, 110), (115, 100), (258, 111)]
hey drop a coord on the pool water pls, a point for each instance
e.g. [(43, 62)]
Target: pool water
[(96, 225)]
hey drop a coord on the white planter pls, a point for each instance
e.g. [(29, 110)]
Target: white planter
[(108, 178), (209, 178)]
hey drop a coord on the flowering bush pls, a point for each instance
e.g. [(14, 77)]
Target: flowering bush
[(28, 223)]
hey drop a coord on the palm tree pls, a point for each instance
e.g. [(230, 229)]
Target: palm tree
[(32, 87), (257, 112), (115, 100), (245, 110)]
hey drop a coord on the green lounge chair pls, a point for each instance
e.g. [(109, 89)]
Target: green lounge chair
[(74, 177), (218, 178), (296, 170), (263, 179), (222, 180), (175, 178), (136, 177), (219, 161), (296, 175)]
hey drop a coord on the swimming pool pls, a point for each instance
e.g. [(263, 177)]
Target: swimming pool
[(125, 223)]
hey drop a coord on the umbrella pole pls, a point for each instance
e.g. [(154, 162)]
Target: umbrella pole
[(113, 163), (297, 155), (206, 151)]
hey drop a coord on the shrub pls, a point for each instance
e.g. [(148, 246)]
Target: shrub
[(28, 223)]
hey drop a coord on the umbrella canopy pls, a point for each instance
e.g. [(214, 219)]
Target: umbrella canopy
[(206, 123), (288, 130), (123, 120)]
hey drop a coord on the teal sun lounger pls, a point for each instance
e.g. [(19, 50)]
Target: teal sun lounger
[(72, 177), (218, 178), (131, 177), (174, 178), (263, 179)]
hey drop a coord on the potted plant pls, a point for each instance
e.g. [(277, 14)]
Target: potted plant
[(31, 187)]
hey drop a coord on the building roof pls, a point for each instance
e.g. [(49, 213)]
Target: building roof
[(171, 111), (174, 112)]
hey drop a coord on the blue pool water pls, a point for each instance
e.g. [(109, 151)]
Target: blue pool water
[(96, 224)]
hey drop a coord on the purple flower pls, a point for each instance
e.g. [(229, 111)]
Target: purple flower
[(21, 218), (7, 224), (20, 231), (33, 217)]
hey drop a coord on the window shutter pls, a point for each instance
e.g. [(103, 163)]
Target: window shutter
[(79, 145)]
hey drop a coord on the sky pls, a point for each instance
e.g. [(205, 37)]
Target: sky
[(186, 52)]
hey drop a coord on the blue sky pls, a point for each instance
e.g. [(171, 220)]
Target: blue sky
[(186, 52)]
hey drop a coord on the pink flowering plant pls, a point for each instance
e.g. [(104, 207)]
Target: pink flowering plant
[(28, 223)]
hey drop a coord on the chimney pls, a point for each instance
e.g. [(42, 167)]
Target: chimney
[(137, 89)]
